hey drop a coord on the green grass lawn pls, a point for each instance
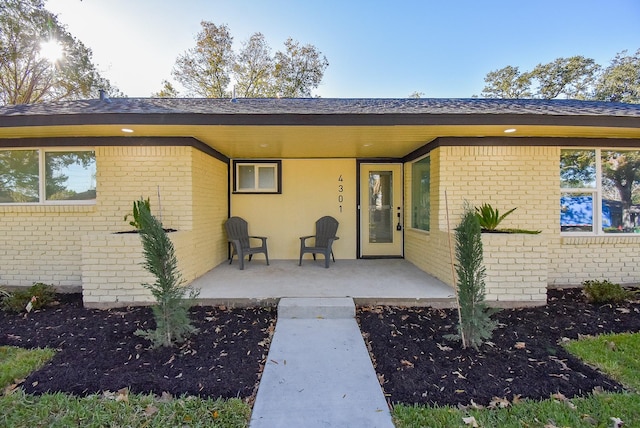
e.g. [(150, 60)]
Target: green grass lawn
[(17, 363), (117, 409), (617, 355)]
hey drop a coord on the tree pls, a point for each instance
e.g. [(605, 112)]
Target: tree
[(253, 70), (507, 82), (620, 81), (167, 91), (205, 70), (26, 75), (299, 69), (573, 77)]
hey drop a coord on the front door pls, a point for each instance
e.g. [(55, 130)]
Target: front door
[(381, 219)]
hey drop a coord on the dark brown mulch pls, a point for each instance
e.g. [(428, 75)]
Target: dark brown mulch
[(418, 365), (99, 352)]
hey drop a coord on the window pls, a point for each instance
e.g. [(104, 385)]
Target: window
[(420, 194), (257, 177), (600, 191), (47, 176)]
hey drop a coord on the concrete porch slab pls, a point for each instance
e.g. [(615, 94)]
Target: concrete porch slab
[(368, 282)]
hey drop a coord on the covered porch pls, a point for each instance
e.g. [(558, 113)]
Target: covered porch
[(368, 281)]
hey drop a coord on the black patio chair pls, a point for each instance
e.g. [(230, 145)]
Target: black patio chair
[(326, 228), (238, 235)]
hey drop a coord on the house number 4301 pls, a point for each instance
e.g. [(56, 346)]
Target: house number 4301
[(340, 192)]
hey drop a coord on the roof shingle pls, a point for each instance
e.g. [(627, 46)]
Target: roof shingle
[(325, 106)]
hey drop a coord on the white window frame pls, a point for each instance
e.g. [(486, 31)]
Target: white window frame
[(276, 165), (42, 172), (596, 193)]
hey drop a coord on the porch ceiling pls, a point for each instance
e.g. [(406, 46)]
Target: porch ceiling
[(309, 141)]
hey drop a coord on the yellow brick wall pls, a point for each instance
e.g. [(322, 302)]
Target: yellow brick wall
[(505, 177), (210, 207), (193, 197), (576, 259), (526, 178), (125, 174), (516, 267), (46, 243), (42, 244)]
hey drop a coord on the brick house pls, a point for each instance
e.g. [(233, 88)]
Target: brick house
[(385, 168)]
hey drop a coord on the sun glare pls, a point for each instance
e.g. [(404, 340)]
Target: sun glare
[(51, 50)]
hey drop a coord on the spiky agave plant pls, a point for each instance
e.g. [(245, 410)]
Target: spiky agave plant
[(489, 217)]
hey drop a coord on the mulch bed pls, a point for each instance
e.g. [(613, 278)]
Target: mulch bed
[(97, 351), (416, 364)]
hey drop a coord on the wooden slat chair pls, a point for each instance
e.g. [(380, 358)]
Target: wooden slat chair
[(238, 235), (326, 228)]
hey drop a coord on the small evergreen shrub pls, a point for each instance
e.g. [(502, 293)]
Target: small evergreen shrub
[(40, 295), (604, 291), (475, 324), (171, 311)]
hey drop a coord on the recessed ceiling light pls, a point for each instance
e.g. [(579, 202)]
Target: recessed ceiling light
[(367, 145), (127, 130), (264, 145), (510, 130)]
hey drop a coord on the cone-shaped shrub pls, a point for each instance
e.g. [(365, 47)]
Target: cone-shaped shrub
[(171, 311), (475, 324)]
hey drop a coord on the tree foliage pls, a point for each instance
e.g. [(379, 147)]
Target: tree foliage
[(26, 75), (298, 69), (507, 82), (167, 91), (572, 77), (575, 77), (205, 69), (620, 81), (208, 69), (254, 69)]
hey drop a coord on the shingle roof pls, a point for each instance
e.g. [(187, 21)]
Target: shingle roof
[(325, 106)]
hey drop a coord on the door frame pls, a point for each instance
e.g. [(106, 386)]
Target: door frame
[(358, 207)]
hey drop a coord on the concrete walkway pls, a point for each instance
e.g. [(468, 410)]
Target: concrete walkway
[(318, 372)]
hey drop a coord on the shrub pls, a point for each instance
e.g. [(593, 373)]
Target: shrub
[(475, 324), (604, 292), (134, 215), (40, 295), (171, 311), (489, 217)]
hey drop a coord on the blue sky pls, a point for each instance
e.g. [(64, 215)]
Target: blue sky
[(375, 48)]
